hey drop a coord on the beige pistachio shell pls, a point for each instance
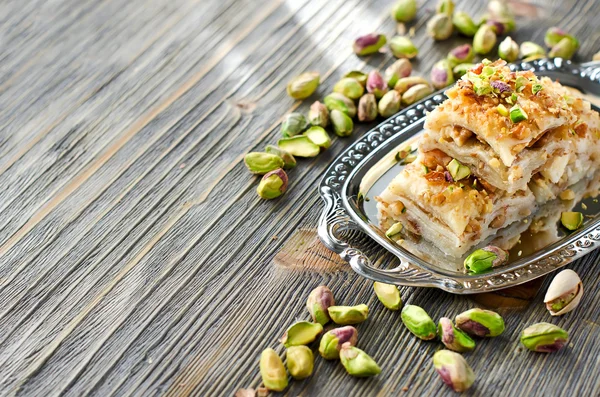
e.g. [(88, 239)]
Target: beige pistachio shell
[(563, 284)]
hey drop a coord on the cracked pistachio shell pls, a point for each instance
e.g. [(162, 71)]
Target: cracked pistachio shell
[(485, 258), (484, 40), (273, 184), (348, 315), (461, 54), (376, 85), (319, 300), (404, 10), (349, 87), (367, 108), (300, 361), (332, 341), (441, 74), (418, 322), (462, 69), (481, 323), (369, 44), (529, 49), (416, 93), (357, 362), (304, 85), (454, 338), (564, 293), (301, 333), (337, 101), (261, 163), (398, 70), (440, 27), (454, 370), (403, 84), (464, 24), (342, 123), (293, 124), (318, 114), (508, 50), (358, 76), (388, 295), (390, 104), (288, 159), (272, 371), (445, 7), (565, 48), (403, 47), (544, 338)]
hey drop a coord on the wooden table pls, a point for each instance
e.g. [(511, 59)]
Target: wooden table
[(136, 257)]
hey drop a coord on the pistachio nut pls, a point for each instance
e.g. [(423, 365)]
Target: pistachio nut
[(441, 74), (304, 85), (454, 338), (461, 54), (318, 136), (272, 371), (544, 337), (454, 370), (293, 124), (508, 49), (485, 258), (273, 184), (404, 10), (499, 9), (399, 69), (319, 300), (479, 322), (367, 108), (337, 101), (462, 69), (342, 123), (261, 163), (348, 315), (418, 322), (500, 26), (288, 160), (440, 27), (300, 361), (564, 293), (403, 84), (529, 49), (357, 362), (565, 48), (484, 40), (403, 47), (388, 295), (445, 7), (394, 230), (332, 341), (376, 85), (457, 170), (554, 35), (299, 146), (318, 114), (358, 76), (464, 24), (301, 333), (571, 220), (369, 44), (389, 104), (349, 87), (416, 93)]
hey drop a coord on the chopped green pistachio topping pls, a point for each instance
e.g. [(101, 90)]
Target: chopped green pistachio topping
[(517, 114), (425, 169), (536, 88), (571, 220), (457, 170), (394, 230), (502, 110), (520, 83)]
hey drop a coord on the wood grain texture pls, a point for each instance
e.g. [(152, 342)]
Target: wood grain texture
[(135, 256)]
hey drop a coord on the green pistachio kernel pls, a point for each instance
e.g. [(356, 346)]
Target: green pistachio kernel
[(349, 87), (457, 170), (454, 370), (318, 136), (369, 44), (403, 47), (261, 163), (388, 295), (301, 333), (272, 371), (389, 104), (357, 362), (337, 101), (299, 146), (293, 124), (404, 10), (332, 341), (318, 114), (273, 184), (464, 24), (288, 159), (571, 220), (303, 86), (395, 229), (544, 338), (517, 114), (348, 315), (300, 361), (418, 322), (342, 123), (481, 323), (454, 338)]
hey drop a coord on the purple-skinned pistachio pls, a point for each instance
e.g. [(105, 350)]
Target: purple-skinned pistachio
[(397, 70), (448, 177), (544, 338), (481, 323), (461, 54), (500, 86), (376, 85), (454, 370), (485, 258), (565, 48), (554, 35), (441, 74), (318, 114), (369, 44), (367, 108), (454, 338), (332, 341), (499, 27), (319, 300)]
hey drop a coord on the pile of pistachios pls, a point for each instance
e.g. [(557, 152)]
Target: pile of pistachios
[(458, 336)]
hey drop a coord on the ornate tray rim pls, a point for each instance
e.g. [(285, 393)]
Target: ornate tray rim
[(336, 216)]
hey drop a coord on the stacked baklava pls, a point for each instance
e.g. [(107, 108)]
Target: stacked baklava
[(502, 144)]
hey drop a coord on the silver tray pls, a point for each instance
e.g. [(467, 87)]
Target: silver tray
[(348, 228)]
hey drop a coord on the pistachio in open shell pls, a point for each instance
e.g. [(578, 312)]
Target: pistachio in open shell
[(564, 293)]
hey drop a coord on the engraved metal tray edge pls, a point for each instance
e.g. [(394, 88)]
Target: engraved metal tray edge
[(336, 218)]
